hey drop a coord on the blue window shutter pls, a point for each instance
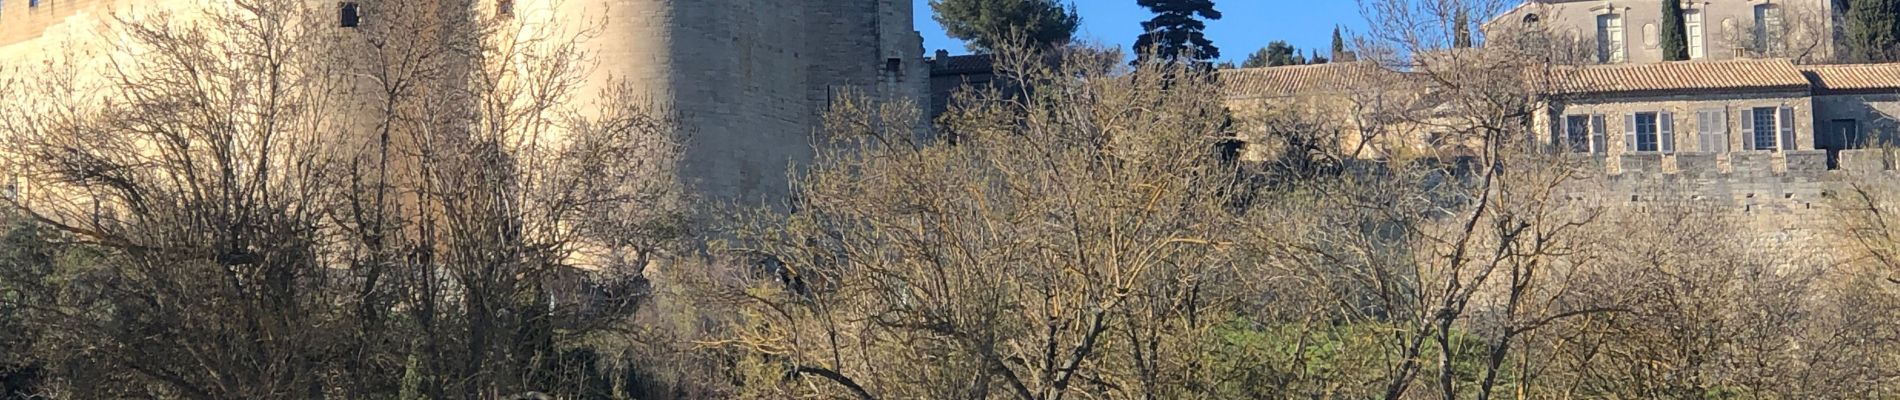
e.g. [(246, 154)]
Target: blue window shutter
[(1629, 133), (1666, 132), (1787, 129)]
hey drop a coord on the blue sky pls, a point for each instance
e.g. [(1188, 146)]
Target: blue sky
[(1245, 26)]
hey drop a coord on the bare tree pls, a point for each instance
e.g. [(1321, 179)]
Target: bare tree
[(244, 239)]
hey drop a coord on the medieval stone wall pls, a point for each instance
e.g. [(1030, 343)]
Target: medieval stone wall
[(751, 78), (1784, 210)]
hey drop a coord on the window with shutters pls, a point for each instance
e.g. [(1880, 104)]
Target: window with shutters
[(1712, 130), (1769, 128), (1649, 132), (1610, 38), (1576, 134), (1583, 134), (1768, 28)]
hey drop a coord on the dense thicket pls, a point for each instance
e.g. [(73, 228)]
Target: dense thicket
[(200, 225), (210, 231)]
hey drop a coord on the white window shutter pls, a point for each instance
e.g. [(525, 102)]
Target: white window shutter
[(1629, 133), (1787, 129), (1599, 144), (1666, 132), (1748, 131), (1719, 122)]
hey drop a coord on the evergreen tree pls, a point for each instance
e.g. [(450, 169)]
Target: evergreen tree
[(1461, 29), (1316, 58), (1277, 53), (1298, 59), (1339, 47), (987, 25), (1175, 33), (1873, 29), (1675, 36)]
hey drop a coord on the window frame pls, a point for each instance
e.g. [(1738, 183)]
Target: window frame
[(1594, 132), (1694, 33), (1769, 27), (1654, 136), (349, 14), (1712, 130), (1612, 39), (1780, 133)]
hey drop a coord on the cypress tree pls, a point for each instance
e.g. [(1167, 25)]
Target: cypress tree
[(1339, 47), (1461, 30), (1175, 33), (1873, 29), (1674, 36)]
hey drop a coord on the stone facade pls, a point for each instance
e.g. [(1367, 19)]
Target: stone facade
[(750, 79), (1726, 29), (1686, 126)]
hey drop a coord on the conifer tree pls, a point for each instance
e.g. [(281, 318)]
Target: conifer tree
[(1175, 33), (1317, 59), (1277, 53), (1339, 47), (987, 25), (1461, 29), (1873, 29), (1674, 35)]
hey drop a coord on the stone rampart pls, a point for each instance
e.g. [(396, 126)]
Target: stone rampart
[(1784, 199)]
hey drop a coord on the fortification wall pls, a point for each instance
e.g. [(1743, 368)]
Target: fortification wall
[(751, 78), (1786, 210)]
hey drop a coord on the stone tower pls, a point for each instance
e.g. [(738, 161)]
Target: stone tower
[(751, 78)]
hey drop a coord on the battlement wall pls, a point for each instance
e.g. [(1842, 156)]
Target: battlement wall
[(1784, 200)]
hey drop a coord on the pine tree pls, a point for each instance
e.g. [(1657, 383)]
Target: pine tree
[(1873, 30), (1674, 36), (1461, 29), (1175, 34), (987, 25), (1277, 53), (1316, 58)]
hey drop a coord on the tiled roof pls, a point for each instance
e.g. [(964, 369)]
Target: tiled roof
[(1293, 80), (1761, 74), (1853, 77), (962, 64)]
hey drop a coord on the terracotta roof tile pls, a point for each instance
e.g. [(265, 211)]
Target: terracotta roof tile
[(1853, 77), (1299, 79), (1686, 75)]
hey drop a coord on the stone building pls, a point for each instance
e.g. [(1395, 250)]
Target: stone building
[(749, 78), (752, 77), (1628, 31)]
